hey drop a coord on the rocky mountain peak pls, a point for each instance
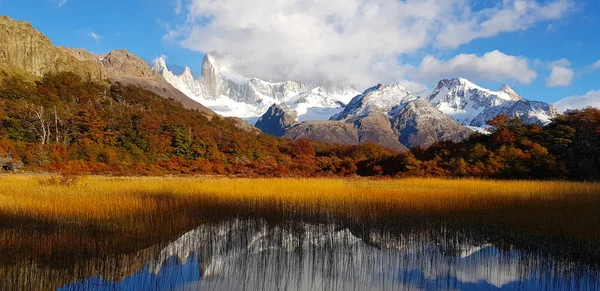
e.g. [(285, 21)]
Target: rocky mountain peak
[(211, 75), (124, 62), (472, 105), (381, 98), (508, 90), (419, 123), (277, 119), (159, 65)]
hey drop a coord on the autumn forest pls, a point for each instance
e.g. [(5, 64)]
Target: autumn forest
[(65, 124)]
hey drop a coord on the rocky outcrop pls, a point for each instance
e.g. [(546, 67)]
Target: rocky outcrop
[(124, 62), (325, 131), (377, 128), (277, 120), (420, 124), (24, 49), (508, 90)]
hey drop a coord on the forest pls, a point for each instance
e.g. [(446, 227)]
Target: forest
[(67, 125)]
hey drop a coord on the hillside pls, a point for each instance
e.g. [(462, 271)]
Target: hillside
[(26, 52)]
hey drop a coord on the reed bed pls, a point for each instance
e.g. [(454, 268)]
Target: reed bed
[(108, 198), (99, 216)]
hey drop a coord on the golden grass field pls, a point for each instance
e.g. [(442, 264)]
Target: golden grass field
[(108, 198)]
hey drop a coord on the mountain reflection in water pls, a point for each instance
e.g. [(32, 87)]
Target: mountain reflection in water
[(257, 255)]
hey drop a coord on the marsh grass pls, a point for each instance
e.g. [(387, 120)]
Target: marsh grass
[(108, 214)]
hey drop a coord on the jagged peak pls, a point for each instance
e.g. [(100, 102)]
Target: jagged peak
[(508, 90), (159, 64), (458, 81), (120, 52), (211, 59), (505, 87), (187, 72)]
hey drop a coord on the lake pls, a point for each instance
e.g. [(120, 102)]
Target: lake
[(257, 254)]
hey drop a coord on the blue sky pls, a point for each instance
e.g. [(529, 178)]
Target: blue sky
[(570, 40)]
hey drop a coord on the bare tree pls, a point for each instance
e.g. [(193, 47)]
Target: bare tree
[(38, 121), (61, 129), (56, 123)]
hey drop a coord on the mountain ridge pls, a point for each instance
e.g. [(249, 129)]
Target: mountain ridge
[(232, 94)]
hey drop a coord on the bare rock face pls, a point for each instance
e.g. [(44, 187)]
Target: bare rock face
[(376, 128), (211, 79), (24, 49), (124, 62), (277, 120), (325, 131), (420, 124)]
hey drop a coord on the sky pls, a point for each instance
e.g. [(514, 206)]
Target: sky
[(547, 50)]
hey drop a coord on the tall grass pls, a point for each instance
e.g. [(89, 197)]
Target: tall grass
[(103, 198), (138, 211)]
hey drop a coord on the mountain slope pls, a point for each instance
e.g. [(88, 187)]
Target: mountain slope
[(26, 52), (472, 105), (419, 123), (276, 120)]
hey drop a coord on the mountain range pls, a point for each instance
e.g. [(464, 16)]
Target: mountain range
[(323, 110), (330, 111)]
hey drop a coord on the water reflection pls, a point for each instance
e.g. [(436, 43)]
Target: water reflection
[(258, 255)]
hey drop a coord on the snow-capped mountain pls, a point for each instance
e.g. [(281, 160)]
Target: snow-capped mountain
[(381, 98), (231, 94), (388, 115), (472, 105)]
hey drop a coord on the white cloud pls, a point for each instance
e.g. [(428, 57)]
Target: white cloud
[(359, 41), (560, 76), (493, 66), (592, 98), (177, 6), (61, 3), (509, 16), (596, 65), (94, 35), (562, 63)]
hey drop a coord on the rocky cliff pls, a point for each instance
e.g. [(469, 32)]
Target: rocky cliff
[(25, 50)]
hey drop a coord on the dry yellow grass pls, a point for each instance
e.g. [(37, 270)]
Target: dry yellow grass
[(100, 198)]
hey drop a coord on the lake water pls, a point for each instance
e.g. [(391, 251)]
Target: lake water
[(255, 254)]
